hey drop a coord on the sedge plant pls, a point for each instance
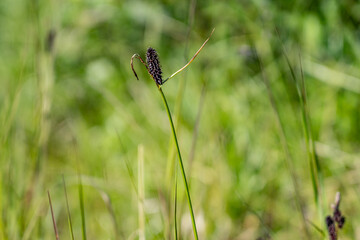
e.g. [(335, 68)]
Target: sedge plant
[(152, 65)]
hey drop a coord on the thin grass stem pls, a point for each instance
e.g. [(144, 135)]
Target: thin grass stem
[(170, 168), (314, 164), (284, 141), (181, 164), (175, 206), (192, 59), (141, 192), (68, 210), (82, 209), (132, 64), (133, 183), (53, 217), (315, 167)]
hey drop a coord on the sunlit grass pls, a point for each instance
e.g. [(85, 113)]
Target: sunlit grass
[(240, 185)]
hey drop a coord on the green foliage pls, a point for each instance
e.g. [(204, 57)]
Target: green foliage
[(78, 106)]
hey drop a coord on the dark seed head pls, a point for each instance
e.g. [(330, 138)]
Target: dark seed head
[(337, 215), (331, 228), (341, 222), (153, 63), (329, 221)]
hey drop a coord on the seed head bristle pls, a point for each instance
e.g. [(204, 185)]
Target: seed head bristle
[(153, 63)]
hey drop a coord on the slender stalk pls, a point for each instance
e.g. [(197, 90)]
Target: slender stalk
[(82, 209), (181, 164), (141, 192), (170, 167), (53, 217), (314, 164), (288, 157), (175, 206), (192, 59), (68, 210), (316, 171)]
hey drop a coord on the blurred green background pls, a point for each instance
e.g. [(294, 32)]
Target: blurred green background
[(72, 108)]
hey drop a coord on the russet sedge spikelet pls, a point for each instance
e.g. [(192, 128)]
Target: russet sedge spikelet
[(153, 63)]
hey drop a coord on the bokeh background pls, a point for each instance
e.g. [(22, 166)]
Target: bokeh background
[(72, 111)]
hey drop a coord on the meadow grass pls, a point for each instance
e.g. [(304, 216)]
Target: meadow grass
[(264, 149)]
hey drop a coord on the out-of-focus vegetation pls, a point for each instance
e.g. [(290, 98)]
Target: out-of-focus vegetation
[(73, 108)]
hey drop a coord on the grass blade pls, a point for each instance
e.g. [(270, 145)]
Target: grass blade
[(82, 209), (314, 164), (175, 205), (284, 142), (141, 192), (132, 179), (192, 59), (68, 210), (53, 218), (128, 167), (315, 168)]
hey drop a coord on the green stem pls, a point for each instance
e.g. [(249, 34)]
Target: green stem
[(181, 164), (82, 209), (175, 207)]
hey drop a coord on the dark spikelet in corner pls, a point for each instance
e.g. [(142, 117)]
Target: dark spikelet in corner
[(331, 228), (153, 63)]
